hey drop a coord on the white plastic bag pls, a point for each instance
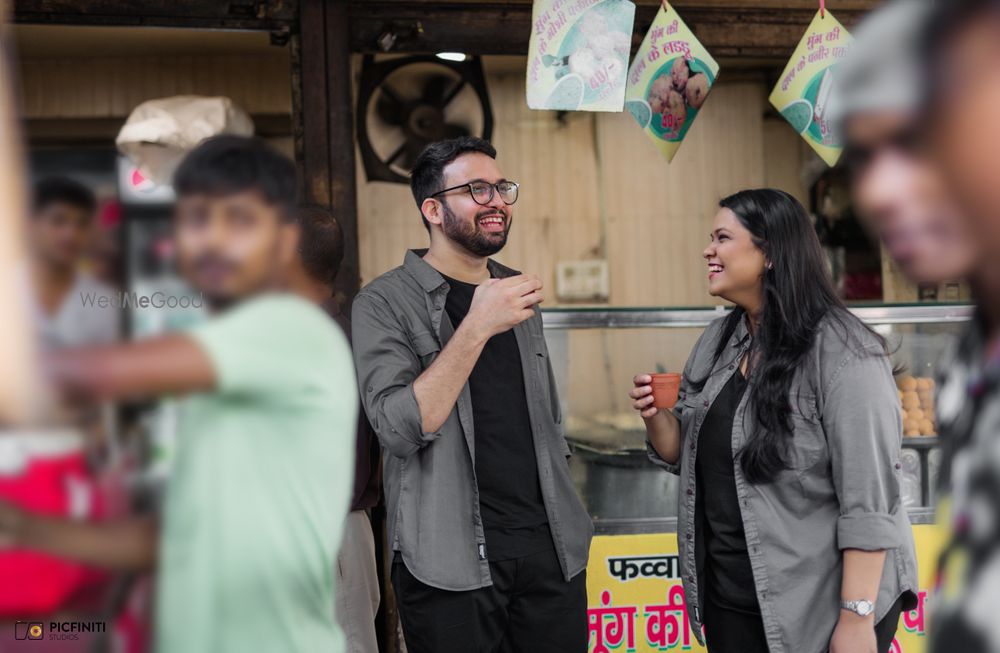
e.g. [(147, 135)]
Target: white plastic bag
[(158, 133)]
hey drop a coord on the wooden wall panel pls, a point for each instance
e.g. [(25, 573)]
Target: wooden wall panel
[(556, 215), (659, 215), (110, 87), (784, 154), (594, 187)]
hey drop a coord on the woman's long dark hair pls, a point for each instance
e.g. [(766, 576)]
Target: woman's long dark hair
[(798, 295)]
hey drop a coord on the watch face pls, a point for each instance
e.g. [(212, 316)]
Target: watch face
[(865, 608)]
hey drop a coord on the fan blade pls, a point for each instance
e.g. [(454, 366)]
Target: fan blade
[(390, 107), (454, 92), (440, 90), (410, 153), (400, 151)]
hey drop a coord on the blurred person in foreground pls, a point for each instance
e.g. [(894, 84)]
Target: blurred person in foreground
[(963, 106), (261, 484), (65, 297), (489, 536), (312, 275), (899, 191)]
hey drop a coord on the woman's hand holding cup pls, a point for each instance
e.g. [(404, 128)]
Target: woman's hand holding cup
[(654, 392), (642, 396)]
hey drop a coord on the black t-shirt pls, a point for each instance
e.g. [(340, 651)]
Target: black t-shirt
[(510, 497), (728, 574)]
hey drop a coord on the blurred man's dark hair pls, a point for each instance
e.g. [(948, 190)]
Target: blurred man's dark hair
[(63, 190), (427, 176), (321, 243), (225, 165)]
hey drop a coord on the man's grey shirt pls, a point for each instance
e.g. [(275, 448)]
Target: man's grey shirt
[(841, 491), (399, 328)]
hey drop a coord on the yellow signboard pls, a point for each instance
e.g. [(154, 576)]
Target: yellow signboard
[(637, 602), (802, 93)]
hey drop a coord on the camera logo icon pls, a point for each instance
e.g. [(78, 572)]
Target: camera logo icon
[(29, 630)]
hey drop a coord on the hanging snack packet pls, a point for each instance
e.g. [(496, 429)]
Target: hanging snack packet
[(670, 77), (578, 54), (804, 90)]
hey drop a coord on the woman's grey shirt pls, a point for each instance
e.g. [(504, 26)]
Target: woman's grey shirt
[(841, 490)]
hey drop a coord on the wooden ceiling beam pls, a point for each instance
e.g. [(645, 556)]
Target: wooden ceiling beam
[(258, 15), (763, 29)]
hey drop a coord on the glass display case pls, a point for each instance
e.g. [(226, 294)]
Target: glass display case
[(595, 352)]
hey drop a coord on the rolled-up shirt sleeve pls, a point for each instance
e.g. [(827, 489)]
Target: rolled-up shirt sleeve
[(387, 367), (863, 427), (654, 457)]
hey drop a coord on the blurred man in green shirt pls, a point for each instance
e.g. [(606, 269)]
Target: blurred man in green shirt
[(262, 480)]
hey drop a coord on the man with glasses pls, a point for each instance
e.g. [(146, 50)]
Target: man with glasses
[(489, 537)]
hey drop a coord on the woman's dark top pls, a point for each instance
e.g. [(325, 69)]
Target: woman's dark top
[(728, 575)]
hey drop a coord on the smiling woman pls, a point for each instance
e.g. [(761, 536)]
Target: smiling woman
[(786, 431)]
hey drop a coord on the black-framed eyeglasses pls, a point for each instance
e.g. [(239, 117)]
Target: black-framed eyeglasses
[(482, 191)]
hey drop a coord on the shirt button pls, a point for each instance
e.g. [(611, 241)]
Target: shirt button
[(690, 537), (732, 367), (705, 404), (690, 492), (899, 466), (690, 579)]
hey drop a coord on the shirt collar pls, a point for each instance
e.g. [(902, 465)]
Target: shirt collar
[(430, 279), (741, 335)]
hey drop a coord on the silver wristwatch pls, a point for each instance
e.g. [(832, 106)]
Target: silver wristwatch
[(862, 608)]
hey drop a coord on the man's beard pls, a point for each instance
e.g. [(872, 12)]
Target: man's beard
[(471, 237)]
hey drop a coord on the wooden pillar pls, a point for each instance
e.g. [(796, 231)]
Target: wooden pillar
[(324, 123)]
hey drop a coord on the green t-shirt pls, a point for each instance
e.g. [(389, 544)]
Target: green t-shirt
[(261, 486)]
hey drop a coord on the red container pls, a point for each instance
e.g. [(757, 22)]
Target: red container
[(45, 474)]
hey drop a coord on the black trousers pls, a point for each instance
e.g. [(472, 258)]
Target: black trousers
[(530, 608), (730, 631)]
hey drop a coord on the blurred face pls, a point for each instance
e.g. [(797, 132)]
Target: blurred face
[(967, 133), (903, 199), (231, 247), (480, 230), (735, 264), (60, 233)]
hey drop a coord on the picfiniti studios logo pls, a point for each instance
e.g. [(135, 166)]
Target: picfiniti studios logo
[(57, 630)]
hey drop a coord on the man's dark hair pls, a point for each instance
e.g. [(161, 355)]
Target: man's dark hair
[(64, 191), (321, 243), (225, 165), (947, 22), (427, 176)]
